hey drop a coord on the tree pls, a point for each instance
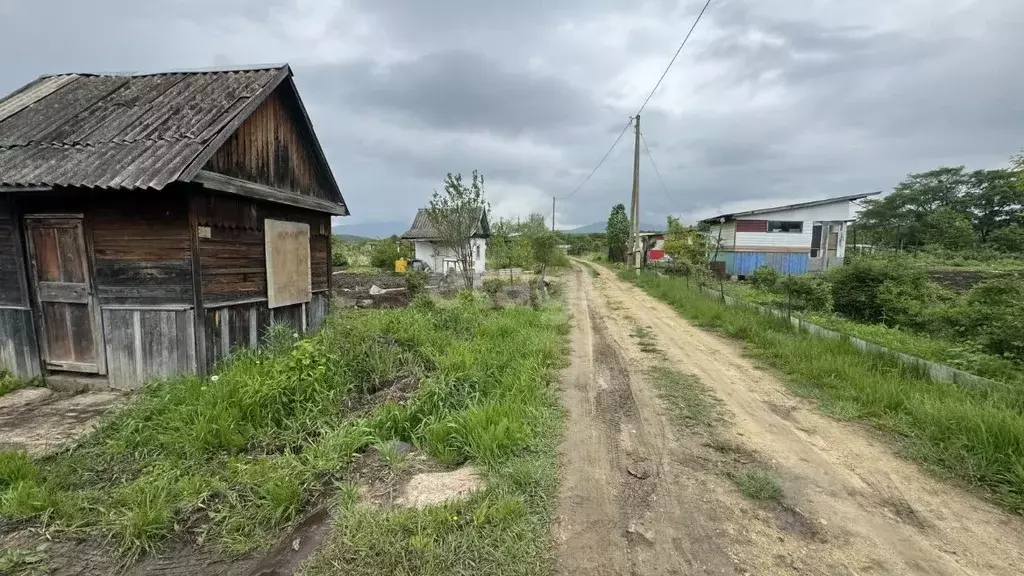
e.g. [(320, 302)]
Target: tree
[(508, 248), (1009, 239), (948, 228), (688, 249), (455, 215), (386, 251), (544, 245), (995, 200), (617, 234)]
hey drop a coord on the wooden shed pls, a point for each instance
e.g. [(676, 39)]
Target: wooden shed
[(150, 224)]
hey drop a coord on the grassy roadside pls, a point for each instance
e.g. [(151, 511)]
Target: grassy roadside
[(230, 460), (973, 435), (957, 355)]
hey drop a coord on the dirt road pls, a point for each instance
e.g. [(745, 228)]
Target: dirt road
[(644, 495)]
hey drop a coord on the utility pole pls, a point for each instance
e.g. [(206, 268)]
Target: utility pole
[(552, 213), (638, 257)]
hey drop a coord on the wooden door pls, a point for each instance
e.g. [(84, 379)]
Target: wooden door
[(68, 314)]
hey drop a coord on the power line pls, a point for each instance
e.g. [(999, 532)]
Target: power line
[(657, 173), (674, 56), (603, 158), (642, 106)]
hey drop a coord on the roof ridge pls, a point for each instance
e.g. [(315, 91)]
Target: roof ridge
[(182, 71)]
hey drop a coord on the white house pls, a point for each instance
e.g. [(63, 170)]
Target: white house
[(793, 239), (441, 259)]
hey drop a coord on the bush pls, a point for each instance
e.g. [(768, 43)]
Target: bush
[(385, 252), (911, 300), (994, 316), (415, 282), (1009, 239), (857, 289), (805, 292), (492, 286), (765, 278)]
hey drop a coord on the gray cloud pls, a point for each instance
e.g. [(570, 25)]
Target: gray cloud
[(770, 102)]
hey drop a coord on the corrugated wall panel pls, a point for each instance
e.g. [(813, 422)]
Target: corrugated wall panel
[(744, 263)]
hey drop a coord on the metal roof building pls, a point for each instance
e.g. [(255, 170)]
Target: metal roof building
[(152, 223)]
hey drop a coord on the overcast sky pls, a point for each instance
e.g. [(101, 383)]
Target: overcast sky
[(772, 101)]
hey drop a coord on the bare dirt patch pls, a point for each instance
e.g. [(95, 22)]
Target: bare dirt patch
[(38, 421), (433, 488)]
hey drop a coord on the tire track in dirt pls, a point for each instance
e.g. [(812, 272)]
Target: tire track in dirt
[(869, 511), (631, 500)]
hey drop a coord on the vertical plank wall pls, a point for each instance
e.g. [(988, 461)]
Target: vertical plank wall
[(19, 349)]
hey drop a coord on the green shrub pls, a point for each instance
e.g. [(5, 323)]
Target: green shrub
[(9, 382), (415, 282), (994, 316), (1009, 239), (913, 301), (765, 278), (857, 291), (805, 292), (385, 252), (492, 286)]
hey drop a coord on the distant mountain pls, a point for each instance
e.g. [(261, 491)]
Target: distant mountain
[(602, 226), (371, 229)]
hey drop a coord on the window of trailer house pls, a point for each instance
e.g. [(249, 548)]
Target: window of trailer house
[(477, 251), (785, 226)]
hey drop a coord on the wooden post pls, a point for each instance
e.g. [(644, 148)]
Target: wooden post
[(636, 196), (197, 282)]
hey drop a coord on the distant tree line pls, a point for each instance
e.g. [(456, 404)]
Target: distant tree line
[(950, 208)]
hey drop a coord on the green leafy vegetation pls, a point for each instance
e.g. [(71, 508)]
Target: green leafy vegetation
[(9, 382), (948, 208), (617, 234), (968, 433), (386, 251), (231, 459), (526, 244), (893, 303)]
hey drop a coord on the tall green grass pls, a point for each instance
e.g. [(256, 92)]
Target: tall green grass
[(234, 458), (975, 434)]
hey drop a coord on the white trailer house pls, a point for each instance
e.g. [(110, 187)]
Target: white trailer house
[(441, 259), (793, 239)]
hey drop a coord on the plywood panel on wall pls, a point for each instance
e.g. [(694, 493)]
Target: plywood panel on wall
[(288, 263)]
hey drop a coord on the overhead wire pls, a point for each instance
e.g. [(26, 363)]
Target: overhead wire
[(600, 162), (642, 106), (657, 173), (674, 56)]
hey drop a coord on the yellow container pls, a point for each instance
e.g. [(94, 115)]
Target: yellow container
[(400, 265)]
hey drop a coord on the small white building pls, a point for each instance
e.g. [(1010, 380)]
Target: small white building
[(793, 239), (441, 259)]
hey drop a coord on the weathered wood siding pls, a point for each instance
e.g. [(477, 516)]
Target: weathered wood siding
[(19, 350), (273, 147), (233, 257), (138, 242), (12, 292), (147, 344), (317, 310)]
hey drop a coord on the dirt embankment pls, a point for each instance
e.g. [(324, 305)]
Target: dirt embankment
[(643, 495)]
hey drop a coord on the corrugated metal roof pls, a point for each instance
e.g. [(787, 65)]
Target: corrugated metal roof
[(734, 215), (423, 229), (120, 131)]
